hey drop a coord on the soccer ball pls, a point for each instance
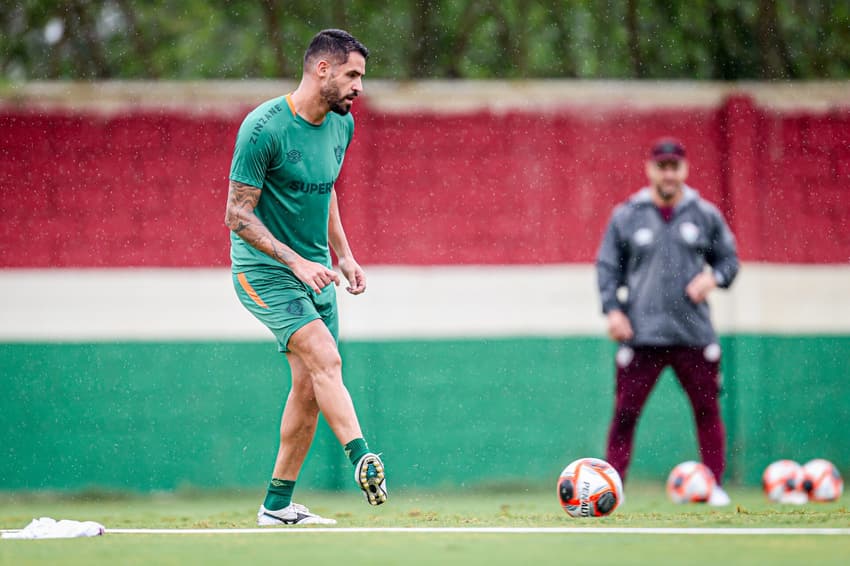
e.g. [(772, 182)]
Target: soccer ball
[(589, 487), (822, 481), (690, 482), (783, 482)]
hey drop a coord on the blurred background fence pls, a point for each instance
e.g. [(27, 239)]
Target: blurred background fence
[(476, 208)]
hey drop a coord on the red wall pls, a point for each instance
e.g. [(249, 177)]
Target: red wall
[(148, 189)]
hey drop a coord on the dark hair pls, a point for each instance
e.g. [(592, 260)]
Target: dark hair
[(336, 44)]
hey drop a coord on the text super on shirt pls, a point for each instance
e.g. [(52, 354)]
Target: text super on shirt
[(655, 260), (296, 164)]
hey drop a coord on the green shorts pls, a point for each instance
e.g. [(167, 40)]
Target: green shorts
[(284, 304)]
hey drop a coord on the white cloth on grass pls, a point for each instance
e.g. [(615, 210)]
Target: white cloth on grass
[(46, 527)]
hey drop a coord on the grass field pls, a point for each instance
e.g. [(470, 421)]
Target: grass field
[(646, 507)]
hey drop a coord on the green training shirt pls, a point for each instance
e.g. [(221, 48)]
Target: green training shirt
[(296, 164)]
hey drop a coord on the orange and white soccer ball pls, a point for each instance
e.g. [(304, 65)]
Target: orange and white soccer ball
[(690, 482), (589, 487), (822, 481), (783, 482)]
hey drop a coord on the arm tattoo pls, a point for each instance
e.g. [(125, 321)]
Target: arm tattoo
[(242, 199)]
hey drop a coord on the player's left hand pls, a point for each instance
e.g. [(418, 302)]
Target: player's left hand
[(354, 274), (700, 286)]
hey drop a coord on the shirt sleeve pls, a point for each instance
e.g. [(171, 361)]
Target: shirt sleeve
[(611, 266), (723, 255), (251, 155)]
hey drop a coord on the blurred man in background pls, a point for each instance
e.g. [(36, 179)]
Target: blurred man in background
[(656, 248), (282, 212)]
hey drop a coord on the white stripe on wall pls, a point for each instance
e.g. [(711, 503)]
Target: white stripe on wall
[(401, 302), (443, 96)]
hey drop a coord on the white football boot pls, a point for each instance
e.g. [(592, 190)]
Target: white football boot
[(719, 497), (292, 514), (369, 475)]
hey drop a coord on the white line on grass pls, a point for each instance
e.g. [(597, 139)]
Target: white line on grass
[(779, 531)]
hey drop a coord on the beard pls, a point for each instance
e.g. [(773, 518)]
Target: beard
[(335, 101), (667, 192)]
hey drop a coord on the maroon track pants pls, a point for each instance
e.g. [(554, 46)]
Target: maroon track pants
[(697, 370)]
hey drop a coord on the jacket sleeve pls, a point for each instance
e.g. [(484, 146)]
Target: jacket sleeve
[(723, 255), (611, 263)]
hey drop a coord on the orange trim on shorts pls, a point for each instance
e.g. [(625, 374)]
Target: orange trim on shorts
[(291, 105), (250, 290)]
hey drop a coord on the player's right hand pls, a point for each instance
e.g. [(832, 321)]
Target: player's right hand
[(315, 275), (619, 326)]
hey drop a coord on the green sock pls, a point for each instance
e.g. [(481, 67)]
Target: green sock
[(279, 494), (355, 450)]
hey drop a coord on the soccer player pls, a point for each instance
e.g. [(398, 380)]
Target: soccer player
[(282, 212), (656, 246)]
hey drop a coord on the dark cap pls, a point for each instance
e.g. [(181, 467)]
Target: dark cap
[(667, 149)]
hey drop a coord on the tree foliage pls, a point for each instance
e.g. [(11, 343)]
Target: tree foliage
[(411, 39)]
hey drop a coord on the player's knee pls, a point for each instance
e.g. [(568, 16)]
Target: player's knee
[(328, 368)]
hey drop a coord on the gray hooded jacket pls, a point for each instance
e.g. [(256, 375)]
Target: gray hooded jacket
[(655, 260)]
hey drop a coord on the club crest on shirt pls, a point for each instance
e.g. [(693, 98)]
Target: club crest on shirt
[(338, 152), (293, 156), (643, 237), (689, 232)]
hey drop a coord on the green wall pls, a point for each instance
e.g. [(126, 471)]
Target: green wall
[(148, 416)]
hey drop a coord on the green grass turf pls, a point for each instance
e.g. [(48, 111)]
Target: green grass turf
[(646, 507)]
